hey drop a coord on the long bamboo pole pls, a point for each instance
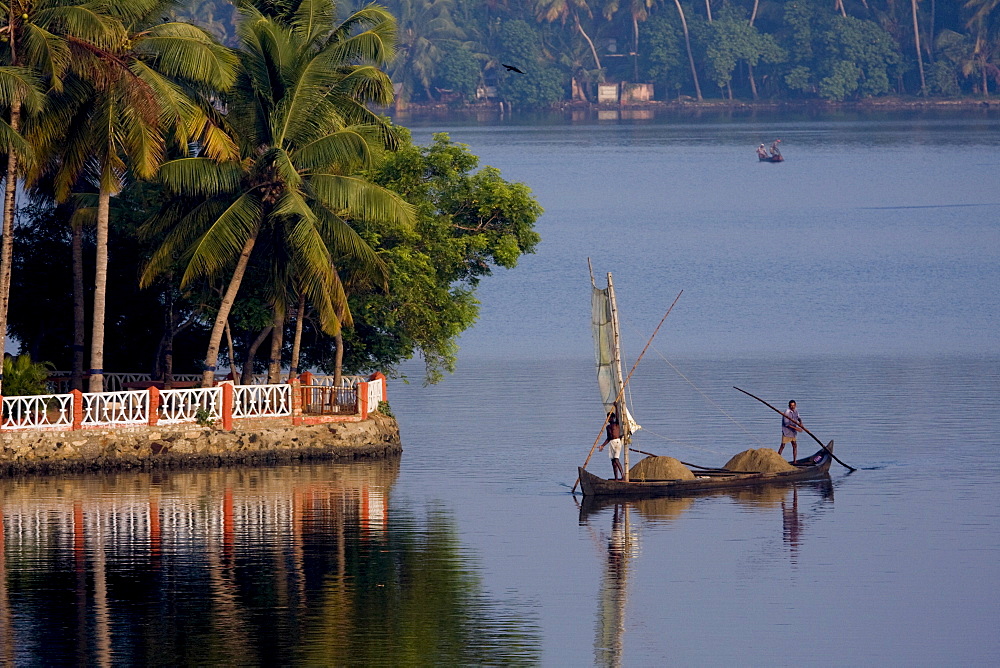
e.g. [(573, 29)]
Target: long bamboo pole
[(621, 392), (802, 426)]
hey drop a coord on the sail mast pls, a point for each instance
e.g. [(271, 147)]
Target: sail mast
[(620, 411)]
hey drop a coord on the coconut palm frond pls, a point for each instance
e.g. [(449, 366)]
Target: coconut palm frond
[(201, 177), (363, 199), (224, 241)]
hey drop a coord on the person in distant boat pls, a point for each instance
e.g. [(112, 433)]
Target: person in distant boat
[(614, 441), (791, 425), (762, 152), (775, 151)]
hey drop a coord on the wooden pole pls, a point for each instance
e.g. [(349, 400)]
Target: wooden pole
[(802, 426), (625, 384)]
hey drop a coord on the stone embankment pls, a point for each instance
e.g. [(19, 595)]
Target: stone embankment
[(250, 442)]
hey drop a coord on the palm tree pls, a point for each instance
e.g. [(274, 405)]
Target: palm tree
[(561, 10), (35, 53), (916, 44), (114, 115), (298, 112), (422, 27), (687, 43)]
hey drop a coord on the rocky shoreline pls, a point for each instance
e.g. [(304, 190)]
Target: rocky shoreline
[(179, 446)]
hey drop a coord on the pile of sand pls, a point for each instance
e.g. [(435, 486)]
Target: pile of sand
[(659, 468), (762, 460)]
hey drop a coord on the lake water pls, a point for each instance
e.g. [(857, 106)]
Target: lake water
[(859, 277)]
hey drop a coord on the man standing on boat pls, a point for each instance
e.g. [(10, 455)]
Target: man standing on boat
[(790, 426), (614, 440)]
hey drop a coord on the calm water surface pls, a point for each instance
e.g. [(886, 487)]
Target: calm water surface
[(859, 277)]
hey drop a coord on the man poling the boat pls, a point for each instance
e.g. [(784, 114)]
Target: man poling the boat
[(791, 425)]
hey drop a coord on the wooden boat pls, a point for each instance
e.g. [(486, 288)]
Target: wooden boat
[(611, 382), (708, 480), (771, 158)]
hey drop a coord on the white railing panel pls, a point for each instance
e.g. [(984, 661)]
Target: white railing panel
[(262, 401), (108, 408), (42, 411), (183, 405), (374, 394)]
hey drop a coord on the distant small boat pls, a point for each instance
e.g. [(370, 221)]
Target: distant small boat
[(771, 158)]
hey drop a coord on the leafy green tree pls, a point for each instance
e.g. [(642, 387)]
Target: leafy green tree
[(734, 40), (468, 222), (520, 44), (460, 71), (564, 10), (662, 60), (298, 112)]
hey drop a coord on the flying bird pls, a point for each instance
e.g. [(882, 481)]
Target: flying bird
[(511, 68)]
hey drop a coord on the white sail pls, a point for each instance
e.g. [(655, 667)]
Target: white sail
[(608, 379)]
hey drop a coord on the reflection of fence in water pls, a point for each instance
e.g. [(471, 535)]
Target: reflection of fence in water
[(137, 521)]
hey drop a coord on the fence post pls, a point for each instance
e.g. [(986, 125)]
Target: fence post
[(154, 406), (77, 408), (305, 378), (227, 404), (296, 401), (363, 406), (1, 413)]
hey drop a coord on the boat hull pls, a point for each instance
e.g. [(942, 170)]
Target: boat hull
[(808, 468)]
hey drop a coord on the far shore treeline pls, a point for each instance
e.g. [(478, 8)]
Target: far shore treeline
[(454, 51), (184, 196)]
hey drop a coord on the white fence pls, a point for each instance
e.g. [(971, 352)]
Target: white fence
[(176, 406)]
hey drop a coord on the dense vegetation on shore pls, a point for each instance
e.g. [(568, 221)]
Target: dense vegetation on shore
[(750, 49), (190, 204)]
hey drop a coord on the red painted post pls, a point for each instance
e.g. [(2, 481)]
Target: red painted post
[(363, 407), (154, 406), (77, 408), (379, 376), (306, 378), (296, 401), (227, 404)]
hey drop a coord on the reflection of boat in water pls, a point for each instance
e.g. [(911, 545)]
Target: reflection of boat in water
[(604, 324), (662, 509), (629, 516)]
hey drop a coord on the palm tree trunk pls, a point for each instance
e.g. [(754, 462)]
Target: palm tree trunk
[(79, 314), (246, 378), (277, 339), (635, 49), (232, 353), (297, 341), (687, 42), (100, 292), (708, 10), (214, 341), (753, 82), (7, 243), (593, 50), (916, 43), (338, 359), (753, 14)]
